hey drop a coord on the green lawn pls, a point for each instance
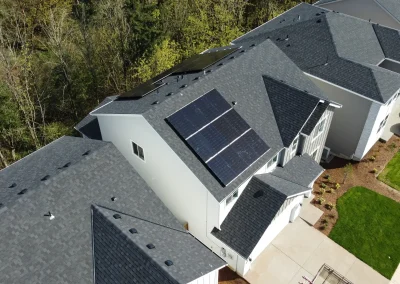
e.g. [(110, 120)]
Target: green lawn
[(369, 228), (391, 174)]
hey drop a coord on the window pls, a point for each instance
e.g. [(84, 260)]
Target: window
[(314, 154), (319, 128), (138, 151), (294, 145), (272, 161), (382, 124), (232, 197)]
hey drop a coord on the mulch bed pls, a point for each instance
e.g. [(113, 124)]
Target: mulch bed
[(227, 276), (362, 175)]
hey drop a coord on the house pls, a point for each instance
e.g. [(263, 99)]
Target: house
[(355, 63), (383, 12), (229, 140), (75, 211)]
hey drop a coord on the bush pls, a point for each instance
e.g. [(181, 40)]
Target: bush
[(392, 147), (320, 200), (374, 171), (322, 191), (327, 176), (323, 185), (329, 179), (329, 206), (372, 158), (337, 185), (324, 221)]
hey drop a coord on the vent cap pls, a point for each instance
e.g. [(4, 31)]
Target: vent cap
[(150, 246)]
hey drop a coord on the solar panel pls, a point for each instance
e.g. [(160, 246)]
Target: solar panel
[(199, 113), (235, 159), (196, 63), (219, 134)]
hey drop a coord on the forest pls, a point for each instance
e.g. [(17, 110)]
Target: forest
[(60, 58)]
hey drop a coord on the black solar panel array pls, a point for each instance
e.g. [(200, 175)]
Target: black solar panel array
[(218, 135)]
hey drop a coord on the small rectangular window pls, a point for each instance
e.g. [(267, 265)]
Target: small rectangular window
[(314, 154), (236, 194), (294, 145), (229, 199), (138, 151), (319, 128)]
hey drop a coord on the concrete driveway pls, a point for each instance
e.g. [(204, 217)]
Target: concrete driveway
[(300, 250)]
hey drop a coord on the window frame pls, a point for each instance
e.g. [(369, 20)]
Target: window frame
[(314, 152), (138, 151), (318, 132), (383, 123), (293, 148)]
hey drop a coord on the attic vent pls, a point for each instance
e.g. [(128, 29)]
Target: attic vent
[(133, 231), (305, 91), (155, 103), (242, 51), (318, 14), (253, 45), (234, 103), (183, 86), (113, 198), (48, 214), (221, 64), (232, 57), (195, 79), (150, 246), (117, 216), (168, 262), (288, 45), (86, 153), (319, 21), (169, 94), (12, 185), (65, 166), (208, 71), (23, 191), (258, 194), (46, 177)]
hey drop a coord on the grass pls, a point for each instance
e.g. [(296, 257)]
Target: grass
[(368, 227), (391, 174)]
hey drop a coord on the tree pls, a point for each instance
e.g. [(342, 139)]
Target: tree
[(348, 170)]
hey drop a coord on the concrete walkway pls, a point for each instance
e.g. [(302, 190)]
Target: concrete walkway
[(300, 250)]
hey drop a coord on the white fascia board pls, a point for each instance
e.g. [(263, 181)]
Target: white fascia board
[(116, 114), (330, 83), (316, 4)]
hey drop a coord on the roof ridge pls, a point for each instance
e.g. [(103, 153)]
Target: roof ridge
[(272, 173), (140, 218)]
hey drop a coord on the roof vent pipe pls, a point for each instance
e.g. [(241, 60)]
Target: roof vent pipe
[(51, 216)]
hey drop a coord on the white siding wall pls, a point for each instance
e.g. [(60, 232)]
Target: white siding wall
[(370, 136), (210, 278), (172, 181)]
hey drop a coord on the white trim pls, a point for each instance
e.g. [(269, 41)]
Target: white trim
[(389, 59), (327, 3), (117, 114), (342, 88), (324, 117)]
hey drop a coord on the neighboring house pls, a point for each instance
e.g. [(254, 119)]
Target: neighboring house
[(355, 63), (75, 211), (383, 12), (229, 140)]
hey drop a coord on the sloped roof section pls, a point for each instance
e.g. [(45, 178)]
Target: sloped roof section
[(354, 39), (286, 187), (392, 7), (315, 117), (29, 173), (389, 40), (122, 254), (301, 170), (60, 250), (291, 107), (251, 215)]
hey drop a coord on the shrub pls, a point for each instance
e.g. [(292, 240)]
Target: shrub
[(320, 200), (327, 176), (323, 185), (324, 221), (331, 216), (329, 179), (392, 147), (337, 185), (372, 158), (322, 191), (329, 206), (374, 171), (329, 190)]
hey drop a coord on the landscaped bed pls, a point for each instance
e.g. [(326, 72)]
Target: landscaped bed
[(368, 228), (391, 174)]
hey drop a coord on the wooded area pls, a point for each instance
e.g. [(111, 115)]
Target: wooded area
[(60, 58)]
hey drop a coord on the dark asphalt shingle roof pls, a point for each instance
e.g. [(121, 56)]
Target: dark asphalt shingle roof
[(292, 108), (35, 249), (251, 215), (50, 160), (389, 40), (301, 170), (347, 45), (315, 117), (261, 200), (115, 246)]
